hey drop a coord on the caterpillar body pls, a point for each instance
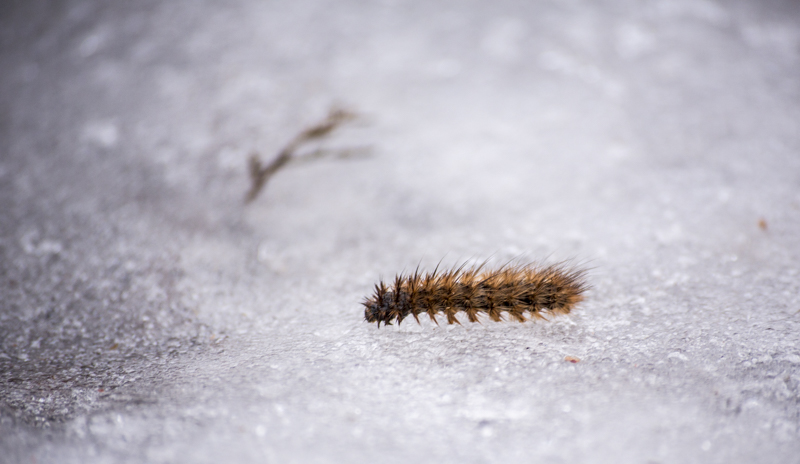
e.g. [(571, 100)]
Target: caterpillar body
[(513, 289)]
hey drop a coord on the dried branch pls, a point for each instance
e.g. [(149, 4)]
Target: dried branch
[(259, 174)]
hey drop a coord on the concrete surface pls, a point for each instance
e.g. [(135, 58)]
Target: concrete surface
[(148, 315)]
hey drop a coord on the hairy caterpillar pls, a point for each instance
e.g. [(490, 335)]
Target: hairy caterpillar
[(514, 289)]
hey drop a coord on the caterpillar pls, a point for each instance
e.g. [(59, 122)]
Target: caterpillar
[(514, 289)]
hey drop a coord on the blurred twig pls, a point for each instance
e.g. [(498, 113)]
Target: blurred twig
[(260, 174), (337, 153)]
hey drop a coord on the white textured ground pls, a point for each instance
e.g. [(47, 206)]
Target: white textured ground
[(147, 315)]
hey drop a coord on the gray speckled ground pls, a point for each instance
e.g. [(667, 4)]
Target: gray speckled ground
[(148, 315)]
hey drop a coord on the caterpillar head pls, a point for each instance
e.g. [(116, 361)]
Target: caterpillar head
[(371, 311), (377, 308)]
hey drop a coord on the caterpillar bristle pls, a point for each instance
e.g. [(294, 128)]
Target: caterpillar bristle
[(514, 289)]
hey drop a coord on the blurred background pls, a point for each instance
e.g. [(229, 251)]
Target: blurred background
[(149, 314)]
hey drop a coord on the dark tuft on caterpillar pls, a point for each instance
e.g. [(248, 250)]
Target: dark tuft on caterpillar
[(517, 290)]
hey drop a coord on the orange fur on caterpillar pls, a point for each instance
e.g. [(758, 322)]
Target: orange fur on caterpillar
[(513, 289)]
